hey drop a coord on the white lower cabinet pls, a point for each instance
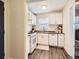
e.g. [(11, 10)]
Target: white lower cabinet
[(56, 40), (42, 38), (61, 40), (53, 39)]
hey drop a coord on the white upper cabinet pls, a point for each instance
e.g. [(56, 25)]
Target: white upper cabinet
[(58, 18), (30, 15), (33, 19), (55, 18), (43, 21), (29, 18), (52, 19)]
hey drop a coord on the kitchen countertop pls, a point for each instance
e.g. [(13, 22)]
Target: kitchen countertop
[(45, 32), (31, 32), (48, 32)]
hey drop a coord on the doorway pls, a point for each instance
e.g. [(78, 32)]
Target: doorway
[(1, 30), (77, 31), (57, 23)]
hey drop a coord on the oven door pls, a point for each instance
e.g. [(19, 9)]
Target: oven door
[(33, 43)]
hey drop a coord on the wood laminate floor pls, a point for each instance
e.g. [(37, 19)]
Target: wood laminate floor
[(53, 53)]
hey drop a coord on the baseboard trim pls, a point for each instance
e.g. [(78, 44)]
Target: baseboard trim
[(56, 47), (42, 47), (42, 44), (67, 55), (32, 52)]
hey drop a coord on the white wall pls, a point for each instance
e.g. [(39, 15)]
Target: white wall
[(69, 28), (14, 28), (27, 46), (7, 28), (47, 15)]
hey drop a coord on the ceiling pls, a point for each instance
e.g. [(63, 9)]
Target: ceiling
[(76, 0), (52, 5)]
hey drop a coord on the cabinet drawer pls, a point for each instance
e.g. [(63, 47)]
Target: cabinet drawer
[(53, 36), (61, 40), (53, 43), (43, 39), (60, 35), (53, 39), (42, 36)]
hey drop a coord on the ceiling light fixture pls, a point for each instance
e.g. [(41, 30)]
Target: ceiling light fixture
[(44, 6)]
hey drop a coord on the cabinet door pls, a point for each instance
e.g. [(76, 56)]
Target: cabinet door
[(43, 39), (29, 18), (29, 15), (61, 40), (53, 39), (58, 17), (33, 19), (33, 41), (33, 44), (52, 19)]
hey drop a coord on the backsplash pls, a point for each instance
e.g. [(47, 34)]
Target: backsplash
[(48, 28), (42, 28), (53, 28)]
